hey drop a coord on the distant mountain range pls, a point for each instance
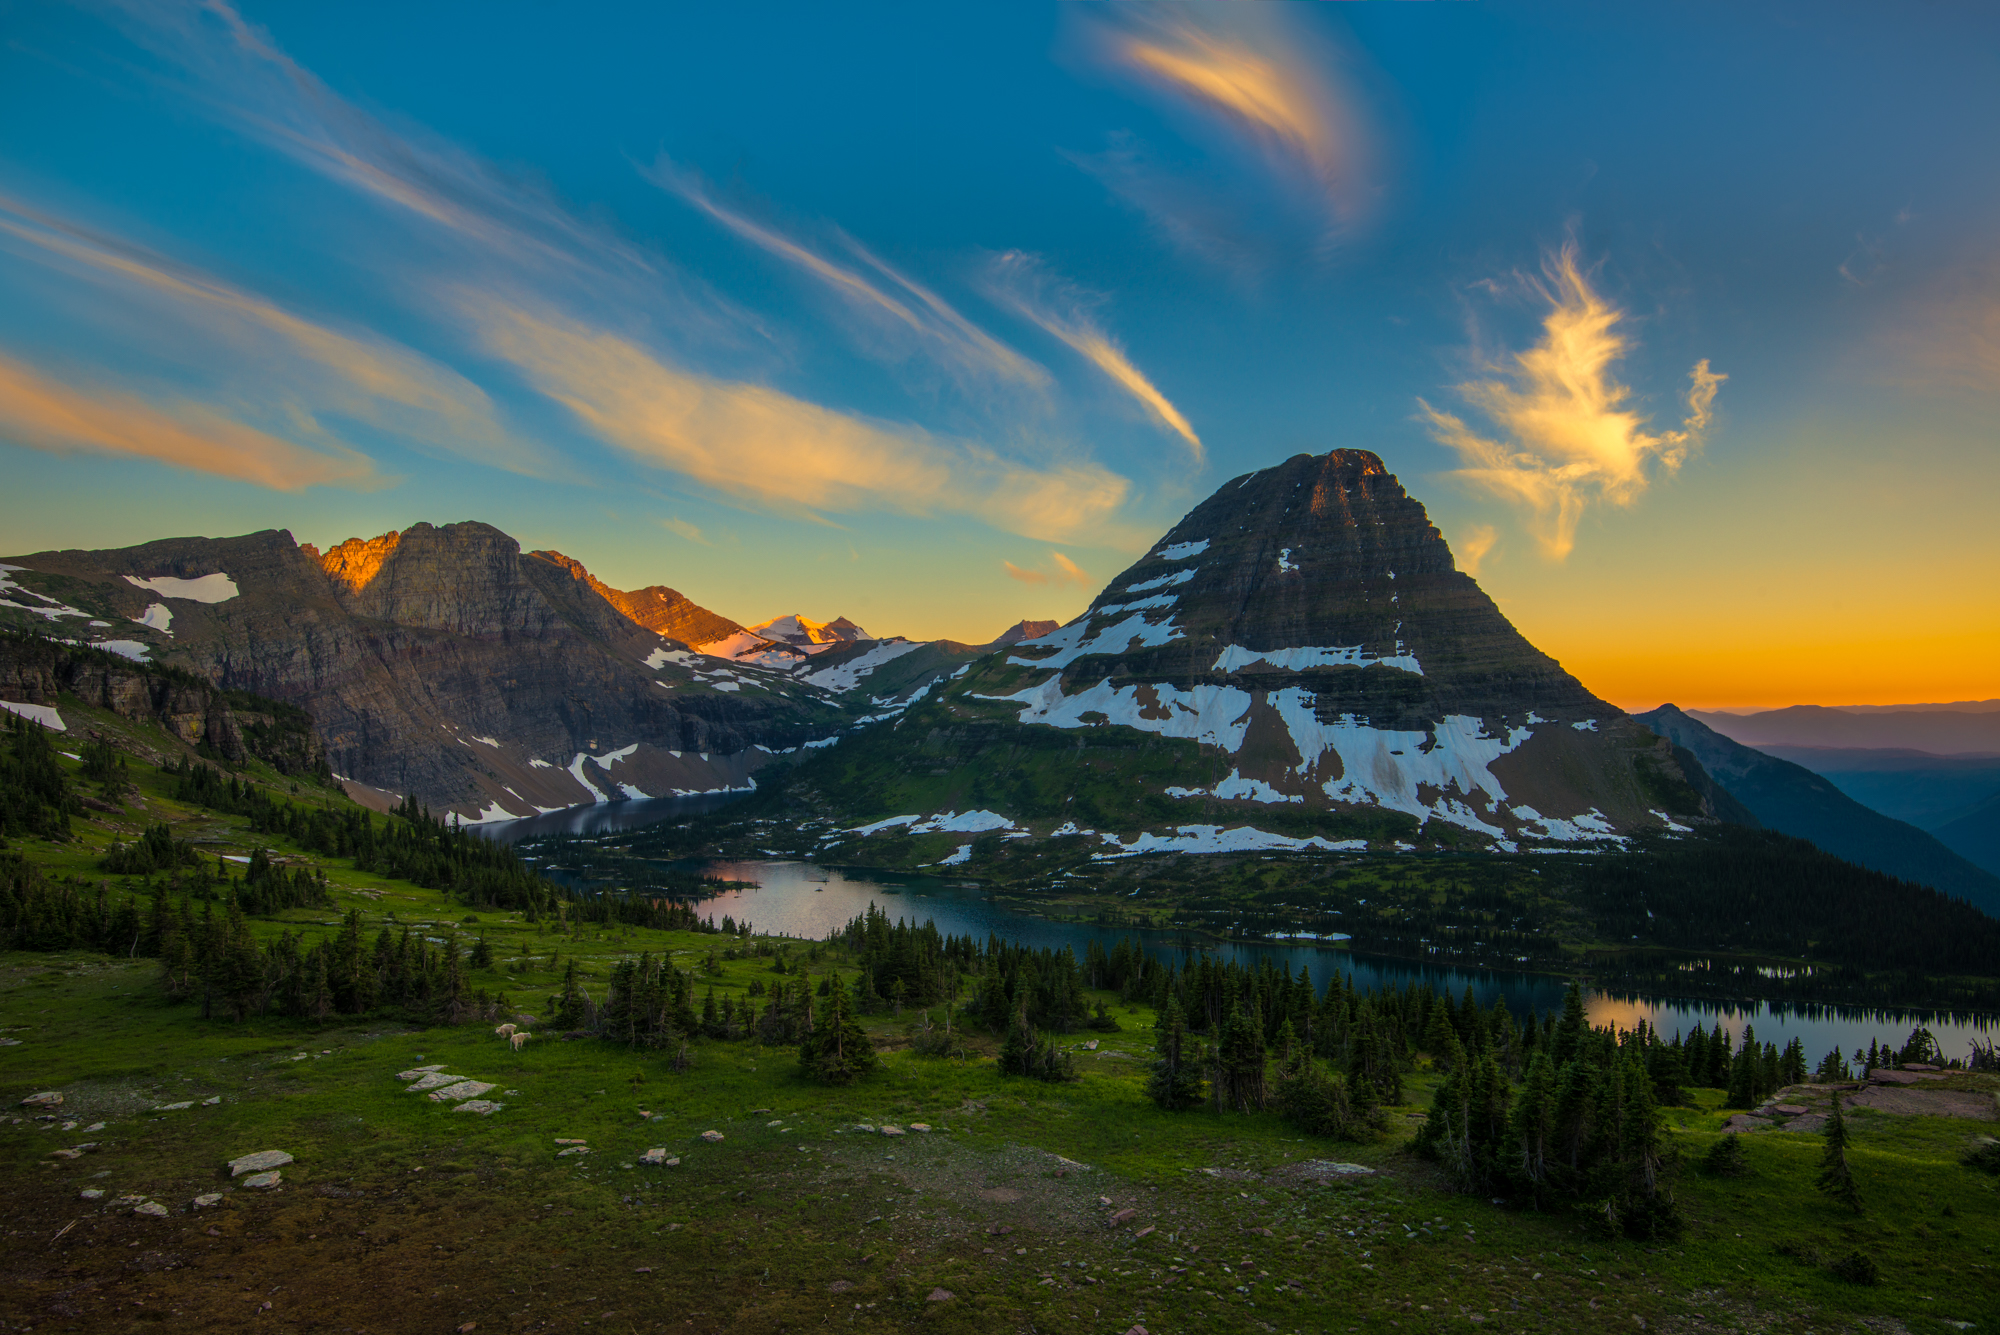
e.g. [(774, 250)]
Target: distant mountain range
[(1794, 800), (1938, 731)]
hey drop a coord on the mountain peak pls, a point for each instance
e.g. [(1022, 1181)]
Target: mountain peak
[(804, 633)]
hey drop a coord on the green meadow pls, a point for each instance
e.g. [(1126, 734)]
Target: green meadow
[(1025, 1206)]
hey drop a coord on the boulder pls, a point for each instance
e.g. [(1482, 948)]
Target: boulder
[(574, 1149), (434, 1080), (892, 1130), (1124, 1216), (657, 1158), (91, 1194), (46, 1099), (67, 1154), (263, 1181), (478, 1107), (150, 1209), (174, 1107), (418, 1072), (1790, 1109), (920, 1126), (210, 1103), (259, 1162), (712, 1137), (464, 1089), (940, 1296), (208, 1200)]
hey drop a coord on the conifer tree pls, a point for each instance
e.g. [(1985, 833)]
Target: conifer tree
[(1176, 1079), (1532, 1128), (1572, 1028), (837, 1051), (1238, 1082), (1836, 1179)]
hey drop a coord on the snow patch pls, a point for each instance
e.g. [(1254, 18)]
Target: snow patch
[(42, 714), (1165, 581), (848, 675), (1181, 551), (1235, 656), (216, 588), (1591, 826), (493, 814), (158, 617), (576, 772), (1218, 715), (882, 825), (540, 764), (1077, 639), (136, 650), (1238, 788), (632, 792), (659, 658), (1140, 605), (1216, 839), (961, 857), (1285, 562), (1672, 824), (972, 822), (604, 761), (488, 741), (1585, 725)]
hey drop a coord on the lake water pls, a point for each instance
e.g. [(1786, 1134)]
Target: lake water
[(801, 899)]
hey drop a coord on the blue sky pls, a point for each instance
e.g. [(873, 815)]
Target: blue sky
[(1683, 320)]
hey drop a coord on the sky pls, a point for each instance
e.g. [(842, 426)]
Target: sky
[(1682, 320)]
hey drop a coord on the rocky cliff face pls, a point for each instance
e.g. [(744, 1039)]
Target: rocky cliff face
[(37, 671), (658, 608), (445, 663), (1298, 663)]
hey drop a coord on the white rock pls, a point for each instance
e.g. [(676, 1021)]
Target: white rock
[(174, 1107), (258, 1162), (574, 1149), (91, 1194), (464, 1089), (418, 1072), (210, 1103), (657, 1158), (46, 1099), (435, 1080), (483, 1107), (263, 1181), (207, 1200), (711, 1136), (151, 1209)]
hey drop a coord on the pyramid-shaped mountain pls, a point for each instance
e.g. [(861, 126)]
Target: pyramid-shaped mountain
[(1298, 663)]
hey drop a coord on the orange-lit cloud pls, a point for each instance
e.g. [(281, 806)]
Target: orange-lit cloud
[(1066, 572), (1474, 546), (753, 441), (1020, 282), (307, 367), (1565, 436), (920, 314), (1273, 85), (44, 413)]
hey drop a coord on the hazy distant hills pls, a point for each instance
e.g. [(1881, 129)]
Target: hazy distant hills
[(1971, 730), (1794, 800)]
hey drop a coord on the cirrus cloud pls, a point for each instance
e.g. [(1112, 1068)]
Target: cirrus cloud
[(1563, 432)]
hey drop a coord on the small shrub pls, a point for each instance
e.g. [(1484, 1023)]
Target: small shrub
[(1727, 1158), (1856, 1268), (1985, 1156)]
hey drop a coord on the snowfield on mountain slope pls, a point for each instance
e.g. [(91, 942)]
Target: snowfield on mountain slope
[(1077, 639), (1234, 657), (216, 588), (848, 675)]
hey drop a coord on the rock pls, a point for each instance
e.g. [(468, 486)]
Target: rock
[(1146, 1230), (1810, 1122), (95, 1126), (127, 1202), (263, 1181), (920, 1126), (1789, 1109), (1090, 1046), (208, 1200), (150, 1209), (46, 1099), (174, 1107), (258, 1162), (574, 1149), (435, 1080), (758, 1112), (940, 1296), (892, 1130), (1124, 1216), (564, 1141), (657, 1158), (863, 1126), (91, 1194), (1741, 1122), (840, 1286), (480, 1107), (712, 1137), (1136, 1330), (464, 1089), (418, 1072), (1330, 1168), (210, 1103), (67, 1154)]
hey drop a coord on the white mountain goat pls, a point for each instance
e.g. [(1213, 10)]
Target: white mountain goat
[(505, 1031), (518, 1038)]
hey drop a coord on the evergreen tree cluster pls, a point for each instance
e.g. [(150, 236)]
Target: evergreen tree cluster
[(36, 798)]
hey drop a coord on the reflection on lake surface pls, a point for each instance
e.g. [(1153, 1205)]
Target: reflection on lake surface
[(801, 899), (805, 900)]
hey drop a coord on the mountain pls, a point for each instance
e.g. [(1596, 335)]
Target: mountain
[(811, 636), (658, 608), (1298, 663), (1975, 836), (440, 662), (1025, 630), (1928, 791), (1938, 731), (1793, 800)]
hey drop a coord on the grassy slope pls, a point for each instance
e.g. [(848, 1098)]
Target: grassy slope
[(400, 1215)]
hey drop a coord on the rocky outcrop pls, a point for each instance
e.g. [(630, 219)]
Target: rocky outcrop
[(40, 672), (444, 663), (658, 608)]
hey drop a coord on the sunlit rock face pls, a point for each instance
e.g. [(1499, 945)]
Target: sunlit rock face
[(1307, 629)]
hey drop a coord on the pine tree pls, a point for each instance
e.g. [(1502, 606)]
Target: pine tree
[(1836, 1179), (1176, 1080), (1572, 1028), (239, 969), (1532, 1128), (837, 1051), (1238, 1083)]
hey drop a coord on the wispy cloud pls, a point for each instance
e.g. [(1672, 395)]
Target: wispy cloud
[(1277, 94), (304, 369), (1474, 546), (1023, 284), (45, 413), (1066, 572), (1565, 436), (918, 315), (753, 441), (681, 528)]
